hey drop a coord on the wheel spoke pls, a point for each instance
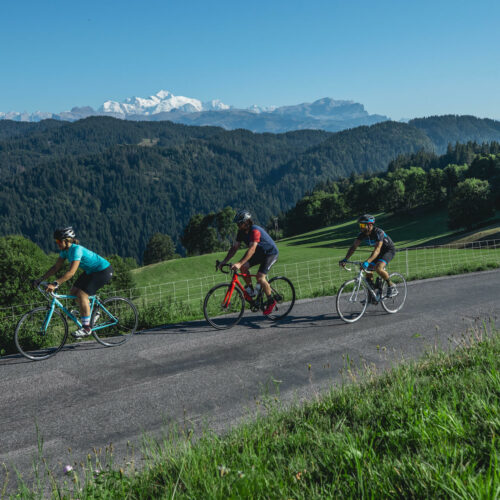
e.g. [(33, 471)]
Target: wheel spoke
[(115, 322), (352, 300), (222, 309)]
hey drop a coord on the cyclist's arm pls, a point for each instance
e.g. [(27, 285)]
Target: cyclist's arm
[(66, 276), (376, 251), (249, 253), (353, 248), (53, 270), (231, 252)]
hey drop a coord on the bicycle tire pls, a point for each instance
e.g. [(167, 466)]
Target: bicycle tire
[(115, 333), (394, 304), (219, 316), (283, 292), (35, 345), (351, 305)]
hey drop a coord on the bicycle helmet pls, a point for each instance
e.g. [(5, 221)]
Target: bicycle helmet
[(366, 219), (63, 233), (242, 216)]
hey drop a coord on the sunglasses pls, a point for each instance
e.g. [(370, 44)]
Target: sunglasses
[(362, 225)]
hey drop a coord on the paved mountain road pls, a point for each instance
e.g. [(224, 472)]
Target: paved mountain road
[(88, 396)]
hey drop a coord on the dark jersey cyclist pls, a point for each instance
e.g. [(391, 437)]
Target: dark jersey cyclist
[(261, 250), (383, 252), (97, 273)]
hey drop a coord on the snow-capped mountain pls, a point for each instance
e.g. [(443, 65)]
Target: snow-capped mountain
[(326, 114), (162, 102)]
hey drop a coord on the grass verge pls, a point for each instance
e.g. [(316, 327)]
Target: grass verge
[(425, 429)]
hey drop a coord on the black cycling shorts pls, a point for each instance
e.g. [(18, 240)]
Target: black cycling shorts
[(90, 283), (265, 261), (386, 257)]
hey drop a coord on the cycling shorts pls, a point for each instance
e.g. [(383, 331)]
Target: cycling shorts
[(265, 261), (90, 283), (386, 257)]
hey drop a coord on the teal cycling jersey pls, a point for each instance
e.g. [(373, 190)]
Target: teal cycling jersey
[(90, 262)]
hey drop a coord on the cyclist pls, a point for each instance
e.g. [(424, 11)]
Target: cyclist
[(261, 250), (383, 252), (97, 273)]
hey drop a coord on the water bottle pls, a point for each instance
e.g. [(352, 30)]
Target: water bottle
[(250, 291), (257, 289)]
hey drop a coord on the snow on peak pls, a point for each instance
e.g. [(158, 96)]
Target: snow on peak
[(163, 101)]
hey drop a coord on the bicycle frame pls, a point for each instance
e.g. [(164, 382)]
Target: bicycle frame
[(236, 282), (361, 278), (55, 302)]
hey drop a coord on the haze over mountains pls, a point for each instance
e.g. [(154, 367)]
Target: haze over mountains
[(324, 114)]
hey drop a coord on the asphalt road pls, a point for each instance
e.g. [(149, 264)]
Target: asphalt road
[(89, 396)]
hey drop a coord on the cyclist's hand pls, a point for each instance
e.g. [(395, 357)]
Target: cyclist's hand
[(52, 286), (343, 262), (35, 283), (366, 265), (236, 267)]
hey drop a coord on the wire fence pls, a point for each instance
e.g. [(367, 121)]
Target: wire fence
[(317, 277)]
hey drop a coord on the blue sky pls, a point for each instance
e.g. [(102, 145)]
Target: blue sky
[(399, 58)]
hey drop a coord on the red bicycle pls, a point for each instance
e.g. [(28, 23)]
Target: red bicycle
[(225, 303)]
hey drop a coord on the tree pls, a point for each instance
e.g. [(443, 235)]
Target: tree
[(122, 277), (20, 262), (160, 247), (470, 203)]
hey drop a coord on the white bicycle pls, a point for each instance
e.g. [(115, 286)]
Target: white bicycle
[(355, 295)]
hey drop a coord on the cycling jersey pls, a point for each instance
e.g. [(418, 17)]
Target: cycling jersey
[(90, 262), (374, 237), (259, 235)]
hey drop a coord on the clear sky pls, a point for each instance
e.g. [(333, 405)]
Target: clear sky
[(399, 58)]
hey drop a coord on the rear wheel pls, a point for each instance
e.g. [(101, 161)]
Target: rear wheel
[(396, 301), (221, 310), (352, 300), (37, 338), (114, 321), (283, 292)]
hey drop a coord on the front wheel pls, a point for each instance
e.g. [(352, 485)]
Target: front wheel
[(394, 301), (352, 300), (114, 321), (40, 333), (223, 309), (283, 292)]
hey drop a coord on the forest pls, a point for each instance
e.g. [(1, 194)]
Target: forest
[(121, 182)]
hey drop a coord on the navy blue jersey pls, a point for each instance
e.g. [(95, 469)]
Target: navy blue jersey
[(374, 237), (264, 241)]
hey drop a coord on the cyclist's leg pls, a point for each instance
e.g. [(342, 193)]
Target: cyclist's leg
[(245, 269), (266, 262)]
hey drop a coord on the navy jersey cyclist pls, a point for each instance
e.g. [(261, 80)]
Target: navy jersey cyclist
[(261, 250), (383, 252), (97, 273)]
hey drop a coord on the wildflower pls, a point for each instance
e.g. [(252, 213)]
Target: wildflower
[(67, 469), (241, 474), (223, 470)]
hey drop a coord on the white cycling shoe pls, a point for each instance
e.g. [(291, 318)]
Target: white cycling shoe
[(82, 332)]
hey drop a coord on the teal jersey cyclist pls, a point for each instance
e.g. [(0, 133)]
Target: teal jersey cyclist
[(383, 251), (97, 272)]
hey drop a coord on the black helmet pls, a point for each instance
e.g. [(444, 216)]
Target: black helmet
[(63, 233), (366, 219), (242, 216)]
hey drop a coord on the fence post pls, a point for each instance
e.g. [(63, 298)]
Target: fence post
[(407, 265)]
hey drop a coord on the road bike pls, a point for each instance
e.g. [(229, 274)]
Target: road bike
[(355, 295), (43, 331), (225, 303)]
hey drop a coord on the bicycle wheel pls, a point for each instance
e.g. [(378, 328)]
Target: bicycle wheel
[(283, 293), (114, 321), (37, 340), (394, 304), (221, 311), (352, 300)]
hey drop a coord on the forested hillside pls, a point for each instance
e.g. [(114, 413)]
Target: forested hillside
[(119, 182)]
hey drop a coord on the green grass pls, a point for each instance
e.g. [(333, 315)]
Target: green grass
[(425, 429), (421, 228)]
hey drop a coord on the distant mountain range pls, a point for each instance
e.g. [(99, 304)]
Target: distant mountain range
[(324, 114)]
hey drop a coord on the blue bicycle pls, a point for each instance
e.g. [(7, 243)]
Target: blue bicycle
[(43, 331)]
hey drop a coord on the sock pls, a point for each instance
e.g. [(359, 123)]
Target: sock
[(86, 322)]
